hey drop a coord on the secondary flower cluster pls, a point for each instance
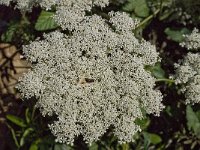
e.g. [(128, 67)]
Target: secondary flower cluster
[(71, 5), (93, 78), (68, 12), (26, 5), (188, 70), (5, 2), (192, 41), (188, 75)]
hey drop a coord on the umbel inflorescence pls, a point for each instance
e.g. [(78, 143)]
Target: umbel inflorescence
[(188, 75), (188, 70), (93, 78), (192, 41), (77, 7)]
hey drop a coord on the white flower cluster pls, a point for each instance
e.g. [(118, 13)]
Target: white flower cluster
[(5, 2), (192, 41), (93, 78), (188, 75), (70, 12), (72, 6), (26, 5), (182, 16)]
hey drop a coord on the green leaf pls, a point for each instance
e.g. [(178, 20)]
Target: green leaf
[(176, 35), (152, 138), (198, 114), (94, 146), (125, 146), (62, 147), (28, 115), (139, 7), (13, 135), (45, 21), (157, 71), (143, 123), (34, 145), (191, 117), (16, 120), (129, 6), (47, 143), (188, 142), (192, 120), (193, 145), (24, 136), (168, 110), (142, 9), (10, 32)]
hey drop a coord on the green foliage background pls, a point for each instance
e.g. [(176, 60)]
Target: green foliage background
[(177, 128)]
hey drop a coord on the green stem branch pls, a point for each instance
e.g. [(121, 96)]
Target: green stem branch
[(165, 80), (148, 18)]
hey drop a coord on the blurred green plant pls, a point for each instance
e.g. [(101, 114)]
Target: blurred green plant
[(189, 136), (193, 121), (18, 31), (26, 133)]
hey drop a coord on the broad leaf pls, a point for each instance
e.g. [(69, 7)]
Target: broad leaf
[(176, 35), (156, 71), (152, 138), (94, 146), (143, 123), (142, 9), (34, 145), (45, 21), (192, 120), (139, 7), (62, 147), (9, 34), (129, 6)]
